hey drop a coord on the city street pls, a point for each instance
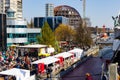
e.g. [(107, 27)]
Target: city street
[(92, 66)]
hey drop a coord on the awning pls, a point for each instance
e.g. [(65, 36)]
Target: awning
[(32, 46), (44, 54), (76, 50), (46, 61), (106, 53), (64, 55), (20, 74), (116, 44)]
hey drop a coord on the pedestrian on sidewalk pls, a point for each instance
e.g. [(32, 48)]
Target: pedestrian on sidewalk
[(88, 76)]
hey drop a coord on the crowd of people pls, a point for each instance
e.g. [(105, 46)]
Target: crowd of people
[(10, 59)]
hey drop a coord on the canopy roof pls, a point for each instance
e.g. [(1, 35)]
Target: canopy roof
[(106, 53), (18, 73), (32, 46), (76, 50), (64, 55), (116, 44), (47, 60)]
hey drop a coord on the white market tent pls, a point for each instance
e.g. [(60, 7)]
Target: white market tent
[(64, 55), (46, 61), (20, 74), (32, 46), (78, 52)]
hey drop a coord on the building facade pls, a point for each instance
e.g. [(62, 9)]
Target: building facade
[(74, 17), (13, 28), (3, 38), (52, 21), (49, 10), (32, 34), (2, 6), (16, 29), (15, 5)]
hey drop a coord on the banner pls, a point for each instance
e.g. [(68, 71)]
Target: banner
[(61, 61), (41, 67)]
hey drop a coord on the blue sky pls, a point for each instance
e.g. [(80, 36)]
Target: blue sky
[(99, 11)]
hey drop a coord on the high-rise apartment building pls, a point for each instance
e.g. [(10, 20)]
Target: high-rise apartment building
[(2, 6), (15, 5), (49, 10)]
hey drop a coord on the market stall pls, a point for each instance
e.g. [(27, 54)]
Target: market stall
[(65, 59), (64, 55), (77, 52), (20, 74), (44, 63), (32, 50)]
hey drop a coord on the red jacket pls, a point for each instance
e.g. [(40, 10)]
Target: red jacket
[(89, 78)]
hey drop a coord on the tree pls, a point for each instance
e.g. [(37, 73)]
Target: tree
[(30, 24), (64, 33), (79, 36), (47, 36), (88, 39), (83, 36)]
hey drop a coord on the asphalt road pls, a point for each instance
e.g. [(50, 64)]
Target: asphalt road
[(92, 66)]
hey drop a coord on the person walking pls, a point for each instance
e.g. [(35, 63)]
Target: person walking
[(88, 76)]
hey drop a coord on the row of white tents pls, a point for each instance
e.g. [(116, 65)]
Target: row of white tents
[(52, 59), (22, 74)]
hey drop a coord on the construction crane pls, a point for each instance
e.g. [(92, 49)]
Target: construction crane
[(84, 11), (84, 7)]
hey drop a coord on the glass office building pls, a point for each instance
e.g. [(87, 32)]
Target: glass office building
[(32, 34), (52, 21)]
